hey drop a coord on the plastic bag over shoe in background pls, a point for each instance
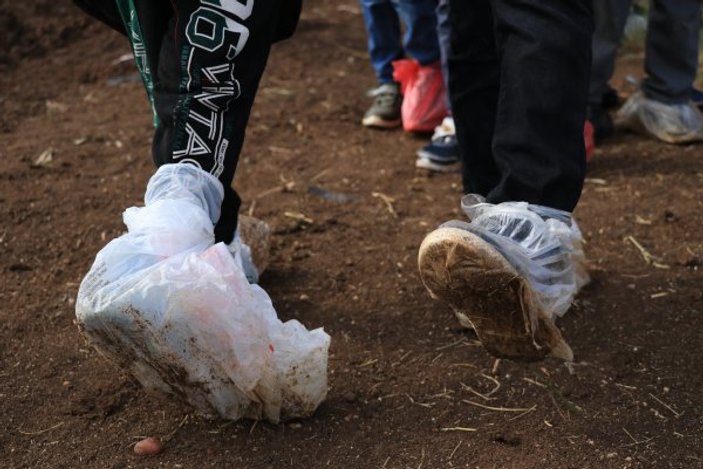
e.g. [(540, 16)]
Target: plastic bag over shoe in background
[(670, 123), (424, 95), (177, 311)]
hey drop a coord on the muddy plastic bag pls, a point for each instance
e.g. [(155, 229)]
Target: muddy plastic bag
[(542, 243), (670, 123), (424, 96), (178, 313)]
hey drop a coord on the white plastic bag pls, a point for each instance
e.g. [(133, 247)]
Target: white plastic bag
[(542, 243), (178, 313), (670, 123)]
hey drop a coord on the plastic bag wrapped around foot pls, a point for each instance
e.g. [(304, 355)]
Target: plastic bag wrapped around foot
[(178, 313), (542, 243), (507, 274), (670, 123), (424, 96)]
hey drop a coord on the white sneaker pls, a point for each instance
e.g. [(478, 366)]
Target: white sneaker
[(508, 274)]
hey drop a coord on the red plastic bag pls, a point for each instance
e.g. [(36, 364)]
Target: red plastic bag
[(589, 139), (424, 95)]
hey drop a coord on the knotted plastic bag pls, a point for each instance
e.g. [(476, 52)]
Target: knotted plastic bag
[(177, 312), (424, 95)]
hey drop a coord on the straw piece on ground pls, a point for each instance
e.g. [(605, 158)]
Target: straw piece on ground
[(39, 432), (458, 429), (498, 409)]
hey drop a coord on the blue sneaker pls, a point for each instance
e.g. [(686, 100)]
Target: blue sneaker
[(442, 153)]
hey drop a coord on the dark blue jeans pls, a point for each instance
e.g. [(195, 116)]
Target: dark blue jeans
[(444, 36), (383, 17), (518, 81)]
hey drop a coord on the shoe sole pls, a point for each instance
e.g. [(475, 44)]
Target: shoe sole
[(423, 162), (378, 123), (487, 293)]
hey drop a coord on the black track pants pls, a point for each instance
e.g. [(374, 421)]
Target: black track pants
[(201, 62)]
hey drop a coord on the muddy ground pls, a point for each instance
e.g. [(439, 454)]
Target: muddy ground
[(408, 387)]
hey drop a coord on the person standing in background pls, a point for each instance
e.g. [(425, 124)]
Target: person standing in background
[(442, 153), (662, 107), (383, 19)]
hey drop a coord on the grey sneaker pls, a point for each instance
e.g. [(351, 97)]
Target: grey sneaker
[(507, 274), (384, 113)]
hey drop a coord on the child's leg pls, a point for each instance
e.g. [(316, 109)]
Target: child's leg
[(444, 38), (383, 29), (420, 19)]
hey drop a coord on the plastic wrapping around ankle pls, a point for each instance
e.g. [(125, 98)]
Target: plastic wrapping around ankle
[(542, 243), (668, 122), (188, 182), (178, 312)]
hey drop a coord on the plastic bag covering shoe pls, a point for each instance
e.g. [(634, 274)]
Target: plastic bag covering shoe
[(178, 313), (670, 123), (508, 273), (424, 95)]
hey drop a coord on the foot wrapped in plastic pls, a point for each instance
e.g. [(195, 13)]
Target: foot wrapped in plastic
[(177, 311), (670, 123), (508, 274)]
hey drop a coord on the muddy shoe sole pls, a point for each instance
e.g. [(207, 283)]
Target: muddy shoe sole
[(486, 292)]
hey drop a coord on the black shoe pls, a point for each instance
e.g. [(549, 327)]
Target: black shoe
[(602, 123), (610, 99)]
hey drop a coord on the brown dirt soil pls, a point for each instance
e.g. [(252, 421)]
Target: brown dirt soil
[(405, 381)]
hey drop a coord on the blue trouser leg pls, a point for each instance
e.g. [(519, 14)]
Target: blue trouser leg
[(443, 35), (420, 20), (382, 19), (671, 60), (383, 29), (610, 19)]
